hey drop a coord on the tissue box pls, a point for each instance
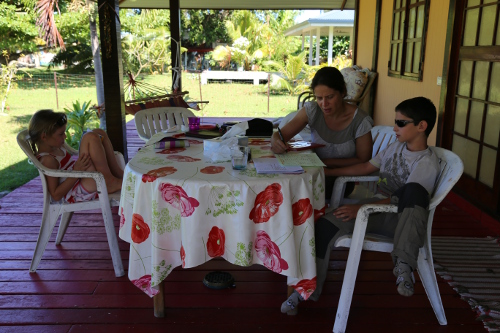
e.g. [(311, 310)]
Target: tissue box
[(214, 144), (211, 144)]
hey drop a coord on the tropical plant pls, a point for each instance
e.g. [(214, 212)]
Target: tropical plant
[(342, 61), (18, 30), (293, 76), (340, 46), (275, 45), (7, 77), (205, 27), (80, 118), (84, 51)]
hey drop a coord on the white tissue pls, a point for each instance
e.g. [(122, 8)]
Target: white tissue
[(219, 150), (238, 129)]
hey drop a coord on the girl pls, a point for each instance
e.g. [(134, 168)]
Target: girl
[(47, 130)]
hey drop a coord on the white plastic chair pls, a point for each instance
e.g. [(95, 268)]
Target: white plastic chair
[(451, 170), (151, 121), (52, 210), (382, 136)]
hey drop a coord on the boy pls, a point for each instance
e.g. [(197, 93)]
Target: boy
[(408, 173)]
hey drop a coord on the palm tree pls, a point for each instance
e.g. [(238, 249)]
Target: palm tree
[(52, 37), (293, 76)]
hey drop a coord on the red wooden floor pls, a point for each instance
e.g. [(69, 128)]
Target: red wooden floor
[(75, 290)]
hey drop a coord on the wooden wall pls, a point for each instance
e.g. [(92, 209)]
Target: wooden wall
[(391, 91)]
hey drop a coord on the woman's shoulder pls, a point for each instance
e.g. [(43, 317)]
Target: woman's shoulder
[(313, 111), (361, 115)]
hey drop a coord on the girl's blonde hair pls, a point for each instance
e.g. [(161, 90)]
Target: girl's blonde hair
[(44, 121)]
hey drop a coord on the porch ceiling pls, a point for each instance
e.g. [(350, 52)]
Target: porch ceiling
[(241, 4)]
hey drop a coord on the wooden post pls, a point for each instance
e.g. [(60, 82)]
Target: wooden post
[(159, 302), (175, 34), (55, 85), (112, 72), (199, 81)]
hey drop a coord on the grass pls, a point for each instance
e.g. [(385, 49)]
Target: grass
[(225, 100)]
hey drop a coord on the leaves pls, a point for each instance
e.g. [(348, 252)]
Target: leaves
[(47, 24), (80, 118), (18, 31), (293, 75)]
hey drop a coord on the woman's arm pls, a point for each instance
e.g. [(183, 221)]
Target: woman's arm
[(58, 191), (292, 128), (364, 147)]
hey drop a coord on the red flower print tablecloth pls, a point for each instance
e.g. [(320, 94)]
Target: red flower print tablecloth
[(178, 208)]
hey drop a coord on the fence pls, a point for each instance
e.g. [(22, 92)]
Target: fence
[(249, 99)]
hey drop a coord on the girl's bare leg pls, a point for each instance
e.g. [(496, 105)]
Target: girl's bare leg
[(91, 144), (116, 170)]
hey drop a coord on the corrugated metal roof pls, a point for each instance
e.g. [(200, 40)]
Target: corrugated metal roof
[(341, 21), (335, 17)]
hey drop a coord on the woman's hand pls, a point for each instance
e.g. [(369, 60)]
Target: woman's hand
[(347, 212), (277, 145), (83, 162)]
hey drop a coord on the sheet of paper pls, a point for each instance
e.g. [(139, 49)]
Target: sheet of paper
[(271, 165), (302, 159)]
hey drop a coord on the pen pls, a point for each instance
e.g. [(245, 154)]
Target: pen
[(281, 137)]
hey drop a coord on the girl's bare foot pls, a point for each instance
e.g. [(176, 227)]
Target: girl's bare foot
[(114, 185)]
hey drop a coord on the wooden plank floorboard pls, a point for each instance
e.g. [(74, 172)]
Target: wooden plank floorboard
[(75, 290)]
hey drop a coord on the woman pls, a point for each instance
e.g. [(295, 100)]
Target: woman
[(340, 126)]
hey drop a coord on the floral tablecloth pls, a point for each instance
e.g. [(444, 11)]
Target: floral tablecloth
[(179, 208)]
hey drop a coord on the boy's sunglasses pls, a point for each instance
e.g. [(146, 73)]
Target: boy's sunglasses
[(403, 123), (62, 121)]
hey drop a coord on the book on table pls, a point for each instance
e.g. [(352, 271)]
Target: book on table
[(300, 158), (271, 165)]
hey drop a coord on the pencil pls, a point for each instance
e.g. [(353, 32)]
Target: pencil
[(281, 137)]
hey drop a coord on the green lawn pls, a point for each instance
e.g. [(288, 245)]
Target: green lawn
[(225, 100)]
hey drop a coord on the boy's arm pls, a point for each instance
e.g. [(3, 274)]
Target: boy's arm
[(361, 169)]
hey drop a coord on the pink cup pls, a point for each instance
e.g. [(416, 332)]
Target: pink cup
[(194, 123)]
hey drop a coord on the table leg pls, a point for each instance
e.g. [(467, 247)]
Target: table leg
[(159, 302)]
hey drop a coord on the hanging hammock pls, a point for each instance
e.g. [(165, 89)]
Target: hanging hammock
[(142, 95)]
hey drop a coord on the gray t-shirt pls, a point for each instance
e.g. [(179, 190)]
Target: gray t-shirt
[(338, 144), (399, 166)]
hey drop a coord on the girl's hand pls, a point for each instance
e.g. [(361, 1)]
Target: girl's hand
[(347, 212), (83, 162), (277, 145)]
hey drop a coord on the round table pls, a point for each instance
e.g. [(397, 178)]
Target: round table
[(179, 208)]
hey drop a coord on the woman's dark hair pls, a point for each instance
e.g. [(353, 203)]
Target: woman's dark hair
[(330, 77)]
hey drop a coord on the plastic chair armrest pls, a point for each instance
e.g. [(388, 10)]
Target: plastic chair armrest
[(339, 187)]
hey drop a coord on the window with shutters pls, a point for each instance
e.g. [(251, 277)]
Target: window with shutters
[(409, 27)]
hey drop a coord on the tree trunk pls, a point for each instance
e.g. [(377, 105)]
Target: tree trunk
[(94, 44)]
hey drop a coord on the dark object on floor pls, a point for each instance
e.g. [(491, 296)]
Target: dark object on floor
[(219, 280)]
